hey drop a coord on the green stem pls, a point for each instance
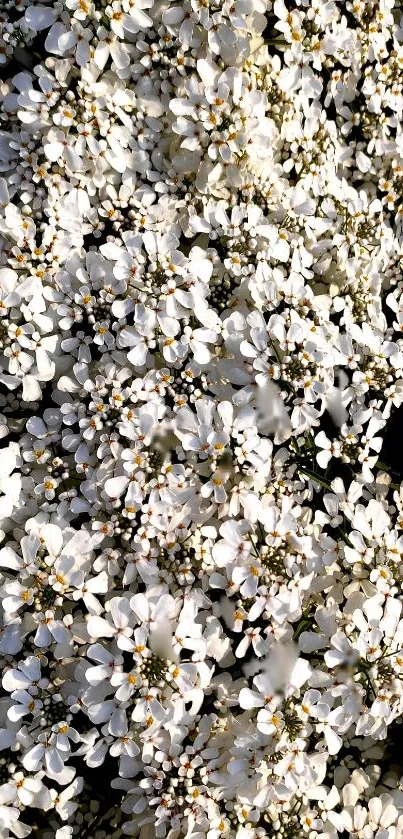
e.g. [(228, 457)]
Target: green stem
[(99, 818), (255, 551), (314, 477)]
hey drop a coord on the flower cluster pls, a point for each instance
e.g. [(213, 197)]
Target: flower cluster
[(201, 370)]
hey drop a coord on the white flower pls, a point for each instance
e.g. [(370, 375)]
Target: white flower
[(10, 484), (119, 626), (22, 790), (201, 370), (27, 676), (39, 17)]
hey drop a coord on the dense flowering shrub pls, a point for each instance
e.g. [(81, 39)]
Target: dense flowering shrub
[(201, 369)]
